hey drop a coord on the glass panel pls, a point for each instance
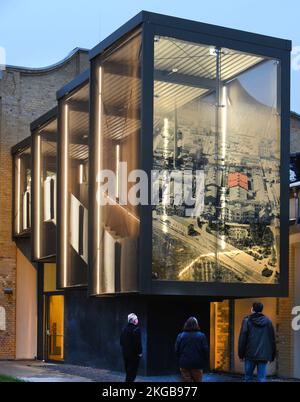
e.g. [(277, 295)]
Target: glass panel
[(184, 142), (217, 135), (22, 218), (249, 159), (55, 330), (74, 157), (45, 184), (115, 147)]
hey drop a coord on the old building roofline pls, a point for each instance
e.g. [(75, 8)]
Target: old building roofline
[(30, 70)]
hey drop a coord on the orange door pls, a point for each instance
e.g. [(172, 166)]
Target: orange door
[(55, 327)]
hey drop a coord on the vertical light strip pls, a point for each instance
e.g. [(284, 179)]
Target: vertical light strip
[(223, 157), (18, 195), (37, 199), (117, 170), (65, 192), (98, 195), (80, 173), (165, 195)]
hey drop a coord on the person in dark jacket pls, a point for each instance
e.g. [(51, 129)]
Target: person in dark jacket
[(131, 344), (257, 345), (192, 351)]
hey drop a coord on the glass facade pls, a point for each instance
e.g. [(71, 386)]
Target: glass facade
[(73, 157), (164, 168), (114, 147), (44, 141), (22, 192), (216, 148)]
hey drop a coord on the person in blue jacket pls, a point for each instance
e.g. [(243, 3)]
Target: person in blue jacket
[(192, 351)]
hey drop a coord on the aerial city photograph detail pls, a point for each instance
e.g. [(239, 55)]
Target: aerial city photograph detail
[(149, 196)]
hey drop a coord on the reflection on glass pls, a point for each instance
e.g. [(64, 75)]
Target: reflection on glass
[(115, 143), (22, 195), (45, 158), (216, 115)]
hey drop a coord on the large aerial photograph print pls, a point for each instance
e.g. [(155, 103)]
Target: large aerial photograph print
[(220, 116)]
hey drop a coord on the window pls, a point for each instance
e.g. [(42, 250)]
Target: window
[(216, 135), (73, 187), (49, 277), (115, 148), (44, 190), (22, 193)]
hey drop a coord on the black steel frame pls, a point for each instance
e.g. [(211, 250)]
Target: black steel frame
[(279, 49), (73, 85)]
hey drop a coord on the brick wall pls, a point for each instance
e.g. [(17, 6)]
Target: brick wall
[(285, 344), (25, 94)]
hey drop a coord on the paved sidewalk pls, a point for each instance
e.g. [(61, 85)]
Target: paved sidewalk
[(101, 375), (34, 371), (38, 371)]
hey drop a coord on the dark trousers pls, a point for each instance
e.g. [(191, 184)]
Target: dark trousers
[(131, 368)]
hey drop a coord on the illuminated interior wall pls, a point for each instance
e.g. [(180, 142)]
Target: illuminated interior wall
[(216, 114), (45, 190), (220, 336), (115, 136), (73, 157), (22, 192), (49, 277)]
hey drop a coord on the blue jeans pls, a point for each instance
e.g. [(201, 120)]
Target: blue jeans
[(261, 370)]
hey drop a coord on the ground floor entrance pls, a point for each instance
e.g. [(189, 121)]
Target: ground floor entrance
[(54, 327)]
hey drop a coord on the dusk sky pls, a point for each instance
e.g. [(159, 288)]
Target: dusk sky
[(38, 33)]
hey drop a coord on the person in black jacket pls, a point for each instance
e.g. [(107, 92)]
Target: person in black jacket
[(191, 349), (131, 344), (257, 345)]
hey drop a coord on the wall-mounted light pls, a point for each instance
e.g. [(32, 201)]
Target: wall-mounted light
[(213, 51)]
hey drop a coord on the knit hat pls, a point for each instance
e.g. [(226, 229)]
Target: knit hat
[(131, 318)]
